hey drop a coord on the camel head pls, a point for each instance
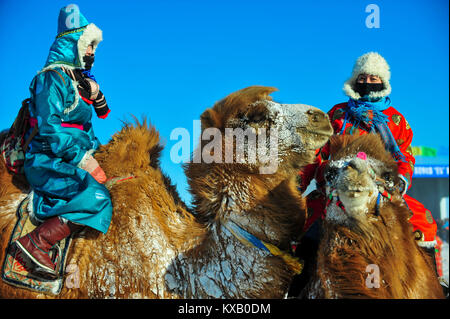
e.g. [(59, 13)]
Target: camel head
[(359, 174), (264, 134), (251, 151), (367, 229)]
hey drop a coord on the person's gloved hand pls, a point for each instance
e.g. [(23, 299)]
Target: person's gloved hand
[(92, 167), (89, 89), (100, 106)]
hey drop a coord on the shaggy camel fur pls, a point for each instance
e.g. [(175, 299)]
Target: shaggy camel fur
[(368, 251), (156, 248), (9, 183)]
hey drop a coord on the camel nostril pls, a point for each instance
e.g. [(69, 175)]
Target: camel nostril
[(318, 122)]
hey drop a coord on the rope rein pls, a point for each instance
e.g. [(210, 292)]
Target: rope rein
[(294, 263)]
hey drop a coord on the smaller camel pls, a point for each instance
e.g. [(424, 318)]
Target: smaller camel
[(367, 249)]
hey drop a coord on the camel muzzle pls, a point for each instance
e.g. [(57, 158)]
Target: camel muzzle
[(319, 122)]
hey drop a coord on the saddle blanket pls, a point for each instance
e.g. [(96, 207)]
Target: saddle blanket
[(17, 267)]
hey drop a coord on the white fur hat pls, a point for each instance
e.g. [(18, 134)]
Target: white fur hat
[(369, 63)]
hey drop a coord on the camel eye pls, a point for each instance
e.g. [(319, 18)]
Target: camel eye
[(387, 176), (389, 179), (256, 117), (331, 174), (257, 113)]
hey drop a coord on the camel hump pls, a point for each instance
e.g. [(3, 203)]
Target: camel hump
[(245, 97), (252, 94), (233, 103), (135, 147)]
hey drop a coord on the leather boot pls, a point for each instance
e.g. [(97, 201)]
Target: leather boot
[(37, 244)]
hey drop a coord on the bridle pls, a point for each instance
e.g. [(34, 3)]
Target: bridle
[(251, 240)]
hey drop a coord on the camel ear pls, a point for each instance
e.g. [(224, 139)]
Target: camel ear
[(209, 118)]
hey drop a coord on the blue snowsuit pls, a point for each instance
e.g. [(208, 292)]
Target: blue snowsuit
[(56, 154)]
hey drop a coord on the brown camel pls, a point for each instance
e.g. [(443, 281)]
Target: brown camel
[(156, 248), (10, 183), (368, 250)]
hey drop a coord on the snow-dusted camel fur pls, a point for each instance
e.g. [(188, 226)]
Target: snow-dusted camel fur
[(368, 250), (157, 248)]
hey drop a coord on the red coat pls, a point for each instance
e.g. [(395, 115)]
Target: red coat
[(423, 223)]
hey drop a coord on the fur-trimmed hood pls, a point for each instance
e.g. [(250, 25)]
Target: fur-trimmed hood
[(75, 34), (369, 63)]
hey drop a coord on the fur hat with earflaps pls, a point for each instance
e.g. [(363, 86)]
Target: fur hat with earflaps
[(370, 63)]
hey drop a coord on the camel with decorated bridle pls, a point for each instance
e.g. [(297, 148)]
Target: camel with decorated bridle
[(235, 241), (367, 248)]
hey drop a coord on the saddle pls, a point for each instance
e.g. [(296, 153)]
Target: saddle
[(17, 268)]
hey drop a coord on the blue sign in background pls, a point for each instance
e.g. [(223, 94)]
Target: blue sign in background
[(427, 171)]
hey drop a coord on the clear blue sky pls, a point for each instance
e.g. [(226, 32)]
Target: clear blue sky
[(170, 60)]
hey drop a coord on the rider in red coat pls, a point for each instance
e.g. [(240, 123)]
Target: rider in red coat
[(369, 110)]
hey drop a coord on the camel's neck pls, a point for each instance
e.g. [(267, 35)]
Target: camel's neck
[(341, 265), (269, 208), (367, 260), (224, 267), (373, 238)]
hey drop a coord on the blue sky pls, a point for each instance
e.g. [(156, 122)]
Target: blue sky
[(170, 60)]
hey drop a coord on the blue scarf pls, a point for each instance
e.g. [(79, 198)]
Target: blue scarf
[(369, 114)]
